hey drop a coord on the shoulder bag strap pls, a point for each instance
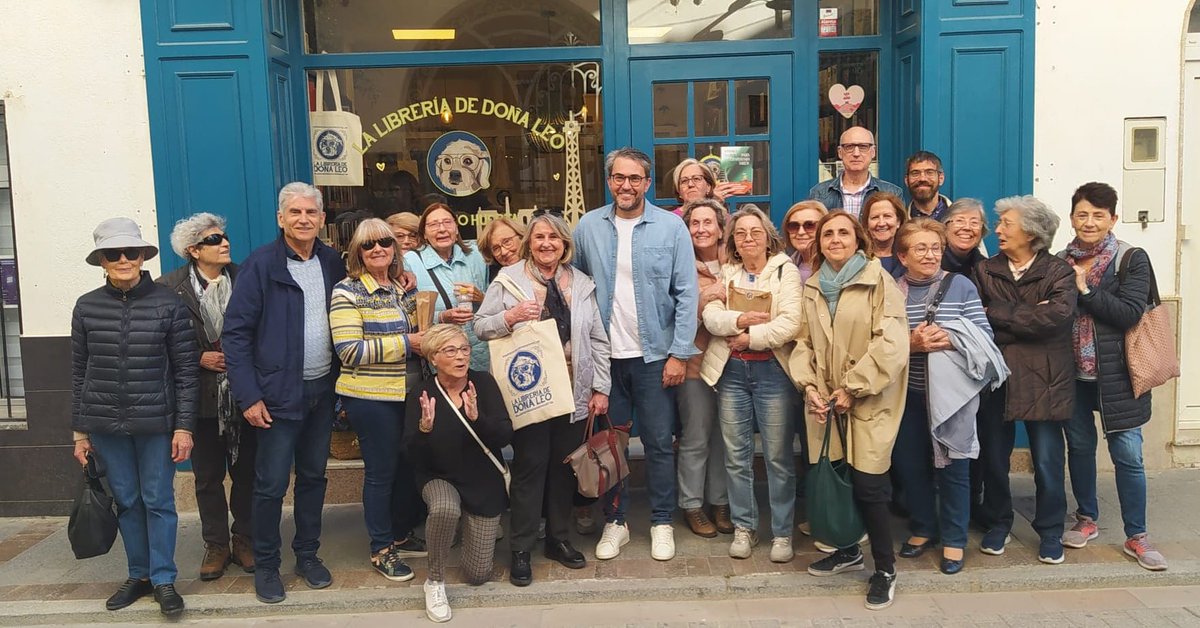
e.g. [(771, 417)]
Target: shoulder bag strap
[(1153, 298), (437, 283), (932, 308), (467, 424), (510, 285)]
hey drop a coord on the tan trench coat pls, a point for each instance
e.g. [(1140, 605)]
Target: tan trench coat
[(863, 349)]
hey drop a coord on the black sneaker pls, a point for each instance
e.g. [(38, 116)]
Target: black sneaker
[(169, 601), (520, 572), (268, 588), (129, 592), (882, 591), (837, 562), (391, 566), (314, 572), (412, 546)]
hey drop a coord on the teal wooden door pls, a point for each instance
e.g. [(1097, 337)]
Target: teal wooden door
[(692, 107)]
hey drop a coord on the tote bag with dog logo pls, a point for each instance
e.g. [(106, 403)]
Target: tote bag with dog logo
[(531, 369), (333, 133)]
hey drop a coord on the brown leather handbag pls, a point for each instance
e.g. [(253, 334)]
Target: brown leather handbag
[(1150, 344), (599, 463)]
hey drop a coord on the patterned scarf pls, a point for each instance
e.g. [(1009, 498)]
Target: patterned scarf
[(213, 295), (1084, 331)]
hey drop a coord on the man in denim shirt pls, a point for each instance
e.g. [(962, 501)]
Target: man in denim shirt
[(856, 149), (641, 259)]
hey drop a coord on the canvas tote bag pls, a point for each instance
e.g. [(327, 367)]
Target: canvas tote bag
[(1150, 344), (332, 136), (531, 369)]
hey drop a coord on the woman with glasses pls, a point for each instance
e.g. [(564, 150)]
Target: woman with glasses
[(747, 362), (223, 447), (965, 223), (800, 225), (446, 264), (694, 181), (454, 435), (404, 228), (500, 244), (371, 321), (937, 439), (882, 215), (560, 292), (133, 404)]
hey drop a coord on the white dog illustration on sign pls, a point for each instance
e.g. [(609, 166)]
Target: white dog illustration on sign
[(464, 167)]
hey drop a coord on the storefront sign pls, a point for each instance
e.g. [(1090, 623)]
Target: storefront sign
[(537, 127), (846, 100), (461, 163), (829, 23)]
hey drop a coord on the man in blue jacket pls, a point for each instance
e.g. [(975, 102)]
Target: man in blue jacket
[(856, 148), (279, 356), (641, 259)]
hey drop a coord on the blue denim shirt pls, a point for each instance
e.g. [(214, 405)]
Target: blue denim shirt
[(830, 192), (664, 277)]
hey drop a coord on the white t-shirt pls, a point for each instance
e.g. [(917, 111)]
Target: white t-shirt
[(623, 324)]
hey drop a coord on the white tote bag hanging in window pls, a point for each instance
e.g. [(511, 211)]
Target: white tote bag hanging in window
[(333, 135)]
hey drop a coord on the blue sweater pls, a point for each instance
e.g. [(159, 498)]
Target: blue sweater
[(961, 300)]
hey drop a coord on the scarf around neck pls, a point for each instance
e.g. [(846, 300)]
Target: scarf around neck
[(1084, 329), (832, 283)]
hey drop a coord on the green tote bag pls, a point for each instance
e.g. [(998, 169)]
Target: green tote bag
[(832, 513)]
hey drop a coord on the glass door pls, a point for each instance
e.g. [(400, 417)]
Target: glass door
[(706, 109)]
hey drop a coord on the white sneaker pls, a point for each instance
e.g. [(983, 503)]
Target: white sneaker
[(614, 537), (743, 540), (829, 549), (437, 607), (781, 550), (662, 542)]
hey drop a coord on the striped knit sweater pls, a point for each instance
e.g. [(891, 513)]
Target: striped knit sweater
[(961, 300), (368, 323)]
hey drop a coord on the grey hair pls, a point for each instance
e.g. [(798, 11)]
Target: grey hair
[(1038, 221), (964, 205), (187, 231), (300, 189), (627, 152), (774, 242)]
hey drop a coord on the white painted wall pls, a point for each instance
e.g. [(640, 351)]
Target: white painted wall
[(1097, 63), (73, 82)]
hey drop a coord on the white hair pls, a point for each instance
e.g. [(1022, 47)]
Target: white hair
[(300, 189), (187, 231), (1038, 221)]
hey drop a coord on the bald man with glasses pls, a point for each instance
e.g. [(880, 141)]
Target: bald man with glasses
[(856, 149)]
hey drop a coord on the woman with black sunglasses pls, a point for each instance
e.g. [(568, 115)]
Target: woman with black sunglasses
[(372, 321), (800, 226)]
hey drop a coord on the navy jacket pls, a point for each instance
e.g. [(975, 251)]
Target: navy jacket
[(263, 336)]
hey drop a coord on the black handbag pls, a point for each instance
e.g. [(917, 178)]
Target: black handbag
[(833, 516), (92, 528)]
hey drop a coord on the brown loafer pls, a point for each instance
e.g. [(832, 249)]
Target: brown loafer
[(243, 552), (699, 523), (216, 557), (722, 519)]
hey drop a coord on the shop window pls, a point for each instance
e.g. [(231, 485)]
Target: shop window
[(848, 18), (848, 91), (12, 382), (1194, 19), (487, 139), (659, 21), (390, 26)]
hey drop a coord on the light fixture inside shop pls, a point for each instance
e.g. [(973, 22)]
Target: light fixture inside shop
[(648, 32), (413, 34)]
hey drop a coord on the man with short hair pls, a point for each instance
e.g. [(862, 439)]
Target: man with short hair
[(856, 149), (641, 259), (924, 177), (281, 365)]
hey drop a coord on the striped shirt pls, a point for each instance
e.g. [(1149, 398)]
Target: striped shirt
[(961, 300), (368, 322)]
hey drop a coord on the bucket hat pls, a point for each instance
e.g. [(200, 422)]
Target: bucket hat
[(119, 233)]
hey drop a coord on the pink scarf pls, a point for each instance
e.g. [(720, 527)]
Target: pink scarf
[(1084, 331)]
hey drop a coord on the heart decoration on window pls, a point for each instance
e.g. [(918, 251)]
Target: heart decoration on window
[(846, 100)]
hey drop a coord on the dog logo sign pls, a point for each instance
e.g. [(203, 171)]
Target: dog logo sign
[(524, 371), (330, 144), (460, 164)]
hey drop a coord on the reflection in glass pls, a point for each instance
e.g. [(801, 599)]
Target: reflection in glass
[(753, 106), (851, 80), (666, 157), (1145, 145), (712, 107), (387, 25), (845, 18), (656, 21), (670, 109)]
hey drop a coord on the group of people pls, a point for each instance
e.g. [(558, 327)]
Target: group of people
[(879, 329)]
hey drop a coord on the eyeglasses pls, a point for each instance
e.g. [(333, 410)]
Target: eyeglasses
[(690, 181), (928, 173), (438, 224), (809, 226), (959, 222), (756, 234), (633, 179), (508, 243), (386, 243), (453, 352), (851, 148), (213, 239), (131, 254), (404, 237), (921, 250)]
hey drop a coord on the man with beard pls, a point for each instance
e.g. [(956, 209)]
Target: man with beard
[(924, 177), (856, 149)]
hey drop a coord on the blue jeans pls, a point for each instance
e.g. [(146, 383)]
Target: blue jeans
[(637, 391), (1125, 449), (141, 475), (307, 443), (912, 466), (1047, 448), (390, 497), (750, 393)]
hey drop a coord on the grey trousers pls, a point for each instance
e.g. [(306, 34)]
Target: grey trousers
[(478, 535), (701, 457)]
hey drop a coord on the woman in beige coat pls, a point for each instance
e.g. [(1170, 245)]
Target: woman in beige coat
[(852, 355)]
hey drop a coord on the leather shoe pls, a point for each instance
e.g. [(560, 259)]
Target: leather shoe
[(169, 601), (520, 572), (131, 591), (951, 567), (565, 554), (216, 557), (723, 519), (699, 523), (908, 550), (241, 552), (314, 572)]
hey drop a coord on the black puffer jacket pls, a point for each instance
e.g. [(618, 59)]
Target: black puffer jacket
[(134, 361), (1115, 307)]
